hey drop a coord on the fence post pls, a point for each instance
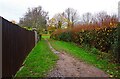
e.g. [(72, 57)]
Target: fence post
[(36, 38), (0, 47)]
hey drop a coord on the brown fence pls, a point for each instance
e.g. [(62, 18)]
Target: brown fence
[(16, 44)]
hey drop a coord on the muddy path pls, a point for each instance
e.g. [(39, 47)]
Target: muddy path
[(68, 66)]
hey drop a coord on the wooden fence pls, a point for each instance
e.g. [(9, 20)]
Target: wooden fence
[(16, 44)]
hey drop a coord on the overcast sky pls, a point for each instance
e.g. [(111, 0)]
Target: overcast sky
[(14, 9)]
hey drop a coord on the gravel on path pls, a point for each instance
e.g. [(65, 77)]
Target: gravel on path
[(68, 66)]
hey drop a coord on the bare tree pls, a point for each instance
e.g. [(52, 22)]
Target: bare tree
[(103, 19), (58, 20), (35, 18), (87, 18), (72, 16), (100, 17)]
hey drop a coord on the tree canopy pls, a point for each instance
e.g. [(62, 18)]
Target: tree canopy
[(35, 18)]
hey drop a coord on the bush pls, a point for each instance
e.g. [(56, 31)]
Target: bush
[(116, 45), (65, 36), (94, 50), (103, 39)]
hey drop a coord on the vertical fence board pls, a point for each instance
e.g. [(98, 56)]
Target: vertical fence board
[(0, 47)]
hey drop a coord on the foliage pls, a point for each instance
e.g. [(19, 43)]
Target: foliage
[(117, 43), (94, 51), (97, 60), (66, 36), (51, 29), (28, 28), (66, 19), (35, 18), (101, 38), (45, 36), (38, 62), (57, 21)]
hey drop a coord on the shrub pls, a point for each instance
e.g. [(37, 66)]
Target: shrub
[(116, 45), (94, 50), (65, 36), (104, 39)]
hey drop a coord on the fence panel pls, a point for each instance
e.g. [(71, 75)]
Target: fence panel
[(16, 44)]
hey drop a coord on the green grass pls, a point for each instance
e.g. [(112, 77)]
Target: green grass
[(83, 54), (45, 36), (40, 60)]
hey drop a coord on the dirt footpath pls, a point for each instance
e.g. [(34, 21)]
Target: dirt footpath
[(67, 66)]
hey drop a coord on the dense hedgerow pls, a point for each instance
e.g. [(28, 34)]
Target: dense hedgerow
[(103, 39)]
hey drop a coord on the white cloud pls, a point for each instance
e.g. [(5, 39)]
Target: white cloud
[(14, 9)]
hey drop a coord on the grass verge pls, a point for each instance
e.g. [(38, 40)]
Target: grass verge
[(83, 54), (40, 60)]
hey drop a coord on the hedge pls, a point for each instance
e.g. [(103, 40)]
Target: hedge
[(105, 39)]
